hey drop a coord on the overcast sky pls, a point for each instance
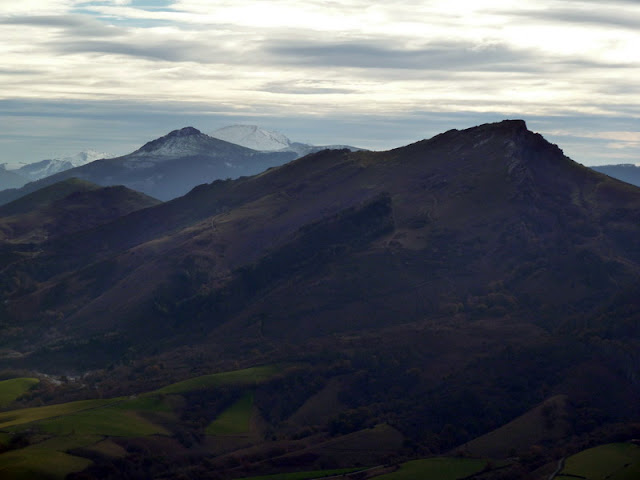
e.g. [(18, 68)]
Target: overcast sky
[(111, 75)]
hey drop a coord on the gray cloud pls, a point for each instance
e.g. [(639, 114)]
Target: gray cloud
[(301, 88), (73, 25), (21, 71), (620, 89), (608, 17), (449, 56), (437, 56), (167, 50), (605, 3), (443, 56)]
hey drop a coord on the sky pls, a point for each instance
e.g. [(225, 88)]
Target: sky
[(111, 75)]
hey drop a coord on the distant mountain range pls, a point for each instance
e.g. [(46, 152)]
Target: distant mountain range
[(10, 179), (626, 172), (17, 177), (252, 136), (169, 166), (46, 168)]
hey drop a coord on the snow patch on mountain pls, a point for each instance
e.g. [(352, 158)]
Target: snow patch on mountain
[(254, 137), (51, 166)]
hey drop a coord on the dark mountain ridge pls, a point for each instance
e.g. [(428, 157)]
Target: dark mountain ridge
[(474, 206), (444, 287)]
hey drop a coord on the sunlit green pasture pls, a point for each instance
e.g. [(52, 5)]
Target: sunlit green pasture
[(38, 462), (108, 448), (106, 421), (614, 461), (235, 420), (29, 415), (148, 403), (54, 430), (248, 376), (72, 425), (11, 389)]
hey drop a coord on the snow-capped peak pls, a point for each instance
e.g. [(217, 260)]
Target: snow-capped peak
[(254, 137), (177, 143), (85, 157)]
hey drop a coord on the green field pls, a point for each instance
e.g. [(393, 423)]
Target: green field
[(56, 429), (614, 461), (235, 420), (47, 459), (106, 421), (28, 415), (10, 390), (108, 448), (248, 376), (303, 475), (148, 403), (72, 425), (37, 462), (114, 416), (440, 468)]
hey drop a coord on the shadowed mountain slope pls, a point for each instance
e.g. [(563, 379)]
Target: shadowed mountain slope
[(65, 208), (62, 209), (45, 196)]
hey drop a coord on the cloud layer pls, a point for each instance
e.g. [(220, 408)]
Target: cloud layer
[(286, 59)]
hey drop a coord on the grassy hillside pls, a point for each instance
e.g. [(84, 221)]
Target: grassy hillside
[(39, 463), (545, 423), (235, 420), (167, 425), (13, 388), (616, 461), (437, 469), (37, 441), (246, 377), (29, 415)]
